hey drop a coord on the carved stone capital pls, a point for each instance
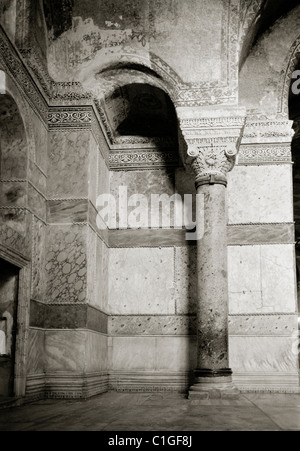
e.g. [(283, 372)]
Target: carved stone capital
[(211, 164), (211, 141)]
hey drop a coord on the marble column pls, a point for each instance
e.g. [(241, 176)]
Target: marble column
[(212, 156)]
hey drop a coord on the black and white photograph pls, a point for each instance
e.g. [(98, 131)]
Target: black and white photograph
[(149, 218)]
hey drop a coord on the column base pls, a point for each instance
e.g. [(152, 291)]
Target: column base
[(210, 384)]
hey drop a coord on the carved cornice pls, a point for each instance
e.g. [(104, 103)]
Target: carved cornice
[(142, 160), (267, 131), (264, 154), (66, 117)]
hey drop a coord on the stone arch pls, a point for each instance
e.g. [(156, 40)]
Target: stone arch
[(16, 148), (290, 65), (13, 91), (118, 82)]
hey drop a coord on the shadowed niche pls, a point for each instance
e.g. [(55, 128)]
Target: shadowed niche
[(139, 109)]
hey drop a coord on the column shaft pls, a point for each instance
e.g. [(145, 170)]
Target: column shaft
[(212, 315)]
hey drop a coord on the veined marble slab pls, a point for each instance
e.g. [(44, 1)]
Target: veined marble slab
[(141, 281), (261, 279), (263, 354), (260, 194), (163, 353)]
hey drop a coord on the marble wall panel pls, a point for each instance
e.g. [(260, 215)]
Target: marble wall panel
[(37, 203), (152, 353), (92, 218), (13, 194), (279, 285), (261, 234), (67, 211), (36, 351), (186, 279), (146, 183), (37, 177), (257, 325), (13, 146), (96, 352), (260, 194), (96, 320), (38, 281), (66, 264), (152, 325), (102, 276), (15, 230), (261, 279), (141, 281), (68, 164), (91, 266), (262, 354), (147, 238), (176, 353), (103, 176), (132, 353), (185, 184), (41, 142), (64, 350), (93, 170)]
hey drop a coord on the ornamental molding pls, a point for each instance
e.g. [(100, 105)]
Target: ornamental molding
[(267, 131), (142, 160), (79, 117), (207, 122), (289, 66), (161, 142), (12, 63), (264, 154)]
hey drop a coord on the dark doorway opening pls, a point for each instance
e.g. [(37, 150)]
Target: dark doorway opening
[(9, 281)]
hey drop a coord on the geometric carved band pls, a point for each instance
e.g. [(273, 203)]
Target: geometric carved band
[(206, 372)]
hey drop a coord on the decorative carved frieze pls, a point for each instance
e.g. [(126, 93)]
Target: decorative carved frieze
[(264, 154), (143, 160), (267, 131), (71, 118)]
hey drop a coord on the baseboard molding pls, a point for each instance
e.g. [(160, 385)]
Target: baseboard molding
[(73, 386), (122, 381), (35, 387), (267, 382), (65, 385)]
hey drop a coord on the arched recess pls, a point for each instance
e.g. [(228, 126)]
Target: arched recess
[(293, 104), (16, 144), (139, 112), (136, 101)]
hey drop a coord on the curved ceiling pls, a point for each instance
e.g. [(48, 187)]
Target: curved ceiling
[(268, 12)]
